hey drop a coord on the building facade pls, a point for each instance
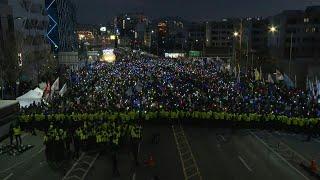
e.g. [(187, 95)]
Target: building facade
[(255, 37), (196, 36), (170, 35), (30, 22), (297, 34), (219, 37), (61, 34), (131, 29), (8, 54)]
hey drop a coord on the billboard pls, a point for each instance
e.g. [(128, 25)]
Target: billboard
[(194, 53), (174, 55), (108, 55), (103, 29)]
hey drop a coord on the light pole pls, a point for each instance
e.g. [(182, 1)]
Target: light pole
[(290, 56), (273, 30), (235, 36)]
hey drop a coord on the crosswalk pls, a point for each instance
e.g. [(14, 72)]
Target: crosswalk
[(189, 164), (81, 167)]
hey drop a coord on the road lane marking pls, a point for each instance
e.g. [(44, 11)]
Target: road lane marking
[(316, 140), (21, 162), (222, 137), (282, 142), (8, 177), (134, 176), (188, 148), (244, 163), (277, 154)]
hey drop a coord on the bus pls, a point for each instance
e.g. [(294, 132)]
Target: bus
[(8, 114)]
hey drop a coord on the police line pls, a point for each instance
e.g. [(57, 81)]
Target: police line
[(133, 116)]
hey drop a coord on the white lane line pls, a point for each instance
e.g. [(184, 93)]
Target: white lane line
[(244, 163), (277, 154), (134, 176), (21, 162), (74, 164), (316, 140), (8, 177), (222, 137)]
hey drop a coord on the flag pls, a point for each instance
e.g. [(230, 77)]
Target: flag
[(270, 80), (54, 87), (318, 86), (235, 71), (279, 76), (47, 91), (63, 90), (256, 74), (289, 83), (307, 83)]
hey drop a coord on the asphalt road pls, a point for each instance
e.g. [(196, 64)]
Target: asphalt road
[(219, 154), (31, 165), (224, 155)]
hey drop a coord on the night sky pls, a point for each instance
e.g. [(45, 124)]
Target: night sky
[(100, 11)]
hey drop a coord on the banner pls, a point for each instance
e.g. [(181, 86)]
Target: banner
[(63, 90)]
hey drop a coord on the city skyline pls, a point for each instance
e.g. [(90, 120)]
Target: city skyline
[(202, 10)]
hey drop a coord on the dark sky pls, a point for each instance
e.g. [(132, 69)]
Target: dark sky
[(100, 11)]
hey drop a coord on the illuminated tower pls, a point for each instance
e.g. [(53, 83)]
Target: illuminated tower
[(61, 32)]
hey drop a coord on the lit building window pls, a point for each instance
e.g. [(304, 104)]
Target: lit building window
[(306, 20)]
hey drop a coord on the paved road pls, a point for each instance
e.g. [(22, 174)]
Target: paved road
[(30, 165), (167, 162), (219, 154), (223, 155)]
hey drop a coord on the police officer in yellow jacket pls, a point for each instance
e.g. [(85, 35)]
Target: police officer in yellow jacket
[(115, 149), (17, 135), (136, 136)]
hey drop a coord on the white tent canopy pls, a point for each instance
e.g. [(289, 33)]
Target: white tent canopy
[(30, 97), (38, 90)]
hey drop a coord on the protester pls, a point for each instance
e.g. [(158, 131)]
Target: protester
[(99, 100)]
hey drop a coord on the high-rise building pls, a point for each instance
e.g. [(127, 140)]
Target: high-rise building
[(131, 28), (295, 34), (219, 37), (8, 53), (61, 33), (196, 36), (53, 34), (171, 34), (255, 37), (30, 22)]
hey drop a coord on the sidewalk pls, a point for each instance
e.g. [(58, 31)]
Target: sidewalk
[(298, 142), (28, 165)]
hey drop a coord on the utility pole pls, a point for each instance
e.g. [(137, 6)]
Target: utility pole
[(291, 37), (247, 54)]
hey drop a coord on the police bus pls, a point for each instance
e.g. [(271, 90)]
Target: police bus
[(8, 113)]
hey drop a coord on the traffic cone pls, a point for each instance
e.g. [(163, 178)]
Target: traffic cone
[(313, 166)]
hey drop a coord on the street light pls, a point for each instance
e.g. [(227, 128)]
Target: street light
[(235, 34), (273, 29)]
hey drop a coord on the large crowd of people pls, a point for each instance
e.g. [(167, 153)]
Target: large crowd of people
[(109, 95), (154, 84)]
